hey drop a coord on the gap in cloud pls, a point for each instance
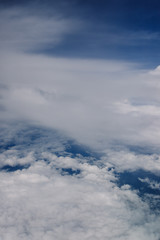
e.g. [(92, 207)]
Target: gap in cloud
[(70, 171), (145, 183), (74, 149), (21, 138), (9, 168), (25, 137)]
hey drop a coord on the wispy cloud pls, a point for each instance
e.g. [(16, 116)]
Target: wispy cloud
[(26, 30), (152, 184)]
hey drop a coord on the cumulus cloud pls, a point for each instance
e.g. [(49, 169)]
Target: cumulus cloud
[(10, 158), (127, 160), (39, 202), (58, 196)]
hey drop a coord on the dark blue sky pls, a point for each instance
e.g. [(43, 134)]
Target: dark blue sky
[(127, 29)]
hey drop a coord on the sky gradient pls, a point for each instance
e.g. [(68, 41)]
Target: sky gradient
[(124, 30)]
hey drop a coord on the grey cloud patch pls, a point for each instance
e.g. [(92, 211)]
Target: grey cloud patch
[(3, 86), (2, 108), (79, 96), (126, 107), (26, 30)]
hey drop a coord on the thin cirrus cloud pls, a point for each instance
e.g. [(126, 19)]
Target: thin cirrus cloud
[(24, 30)]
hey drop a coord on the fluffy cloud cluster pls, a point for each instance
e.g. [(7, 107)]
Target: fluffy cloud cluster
[(63, 197), (42, 203), (127, 160)]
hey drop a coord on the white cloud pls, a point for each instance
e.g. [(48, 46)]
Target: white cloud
[(126, 160), (41, 203), (83, 98), (75, 96), (10, 157)]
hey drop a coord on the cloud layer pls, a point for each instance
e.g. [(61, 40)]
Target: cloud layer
[(46, 201), (52, 186), (101, 100), (95, 101)]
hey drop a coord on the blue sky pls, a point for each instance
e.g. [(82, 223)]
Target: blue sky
[(126, 30), (79, 120)]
